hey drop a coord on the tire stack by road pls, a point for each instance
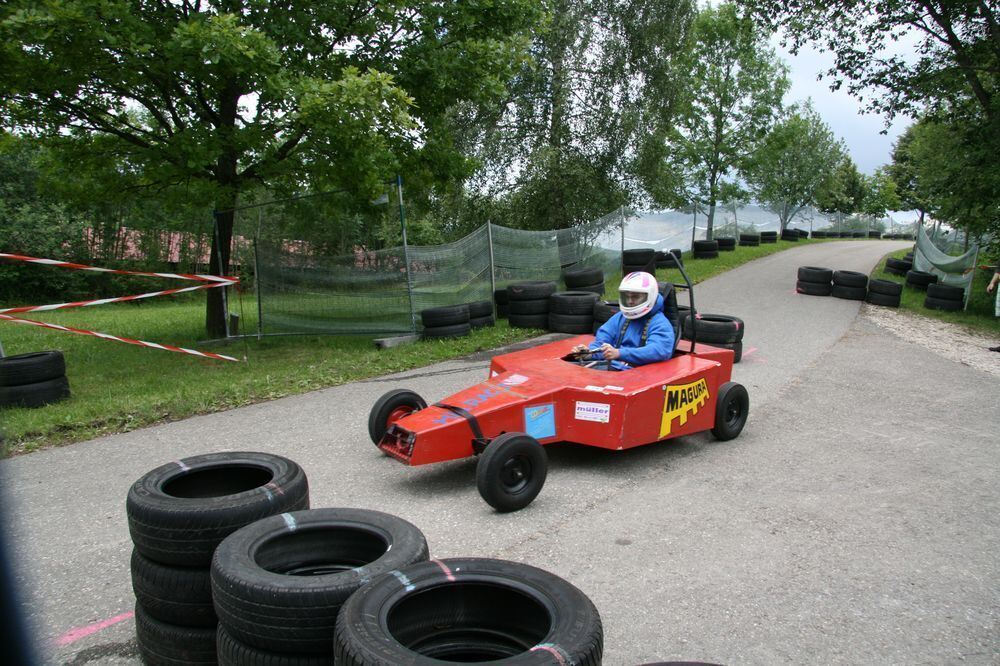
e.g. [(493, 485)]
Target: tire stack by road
[(750, 240), (726, 243), (643, 259), (859, 234), (448, 321), (705, 249), (584, 278), (944, 297), (34, 379), (279, 583), (850, 285), (875, 235), (603, 311), (715, 330), (884, 292), (769, 237), (572, 312), (503, 304), (665, 259), (178, 514), (790, 235), (920, 279), (814, 281), (529, 303), (481, 314), (898, 266)]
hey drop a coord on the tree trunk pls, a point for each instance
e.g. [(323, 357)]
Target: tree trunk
[(218, 264)]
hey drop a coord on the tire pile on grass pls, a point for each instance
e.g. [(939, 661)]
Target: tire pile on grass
[(750, 240), (726, 243), (231, 567), (944, 297), (529, 303), (640, 260), (452, 321), (34, 379), (790, 235), (716, 330), (670, 259), (572, 312), (769, 237), (584, 278), (705, 249)]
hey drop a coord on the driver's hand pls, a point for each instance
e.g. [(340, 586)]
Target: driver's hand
[(609, 352), (580, 349)]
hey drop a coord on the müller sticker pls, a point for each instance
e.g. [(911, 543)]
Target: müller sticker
[(598, 412)]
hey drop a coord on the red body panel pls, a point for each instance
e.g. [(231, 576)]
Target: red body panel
[(536, 392)]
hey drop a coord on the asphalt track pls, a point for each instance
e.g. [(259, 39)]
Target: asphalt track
[(855, 520)]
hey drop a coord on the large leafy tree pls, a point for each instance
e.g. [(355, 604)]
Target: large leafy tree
[(843, 190), (736, 85), (233, 94), (793, 161)]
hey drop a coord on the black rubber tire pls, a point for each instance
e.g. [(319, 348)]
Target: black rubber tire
[(920, 279), (887, 287), (571, 323), (233, 652), (737, 348), (749, 238), (768, 239), (704, 246), (178, 513), (899, 264), (468, 610), (819, 234), (875, 298), (175, 595), (638, 256), (859, 234), (503, 309), (279, 583), (705, 254), (31, 368), (572, 302), (664, 259), (35, 395), (815, 274), (848, 293), (716, 328), (165, 644), (452, 331), (943, 304), (528, 320), (530, 291), (790, 235), (895, 271), (482, 322), (581, 276), (639, 268), (850, 279), (511, 471), (945, 292), (597, 288), (726, 243), (605, 310), (480, 309), (874, 234), (768, 234), (391, 407), (449, 315), (813, 288), (500, 297), (732, 407), (803, 234), (532, 307)]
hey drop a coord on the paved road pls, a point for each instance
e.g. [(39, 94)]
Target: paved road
[(855, 519)]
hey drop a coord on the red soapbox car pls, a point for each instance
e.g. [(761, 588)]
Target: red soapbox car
[(542, 395)]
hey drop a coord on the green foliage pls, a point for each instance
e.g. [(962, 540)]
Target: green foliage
[(843, 190)]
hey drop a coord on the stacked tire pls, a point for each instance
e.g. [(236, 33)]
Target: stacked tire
[(584, 278), (481, 314), (665, 259), (529, 303), (178, 514), (884, 292), (705, 249), (819, 234), (814, 281), (898, 266), (716, 330), (603, 311), (769, 237), (790, 235), (280, 583), (944, 297), (726, 243), (572, 312), (750, 240), (850, 285), (449, 321), (875, 234), (33, 380), (500, 299), (643, 260), (920, 279)]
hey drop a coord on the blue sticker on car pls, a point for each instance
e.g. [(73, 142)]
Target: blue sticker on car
[(540, 421)]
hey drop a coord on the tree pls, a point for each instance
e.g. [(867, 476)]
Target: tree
[(880, 195), (794, 160), (736, 85), (236, 93), (843, 190), (903, 172)]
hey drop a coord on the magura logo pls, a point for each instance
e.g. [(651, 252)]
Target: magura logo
[(681, 402)]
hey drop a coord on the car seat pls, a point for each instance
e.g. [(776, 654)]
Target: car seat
[(670, 310)]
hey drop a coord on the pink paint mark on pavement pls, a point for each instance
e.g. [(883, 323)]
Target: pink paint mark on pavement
[(73, 635)]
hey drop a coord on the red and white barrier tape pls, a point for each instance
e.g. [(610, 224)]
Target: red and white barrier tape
[(212, 280), (106, 336)]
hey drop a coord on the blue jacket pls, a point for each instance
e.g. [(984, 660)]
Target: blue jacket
[(659, 338)]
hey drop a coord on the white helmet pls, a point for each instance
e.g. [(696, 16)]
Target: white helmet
[(637, 294)]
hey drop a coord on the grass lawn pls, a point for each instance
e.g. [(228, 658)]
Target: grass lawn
[(979, 315), (118, 387)]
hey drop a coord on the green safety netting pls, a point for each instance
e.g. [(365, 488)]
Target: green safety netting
[(955, 271)]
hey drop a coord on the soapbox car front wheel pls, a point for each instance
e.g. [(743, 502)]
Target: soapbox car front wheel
[(511, 471), (391, 407), (731, 410)]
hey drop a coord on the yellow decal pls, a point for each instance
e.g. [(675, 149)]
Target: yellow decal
[(682, 401)]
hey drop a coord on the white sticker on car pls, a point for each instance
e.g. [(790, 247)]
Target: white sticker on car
[(593, 411), (513, 380)]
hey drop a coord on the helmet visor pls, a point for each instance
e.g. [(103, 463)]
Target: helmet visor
[(630, 299)]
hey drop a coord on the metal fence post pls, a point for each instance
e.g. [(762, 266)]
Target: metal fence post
[(493, 275), (406, 253), (218, 255)]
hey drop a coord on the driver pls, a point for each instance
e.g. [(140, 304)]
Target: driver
[(639, 333)]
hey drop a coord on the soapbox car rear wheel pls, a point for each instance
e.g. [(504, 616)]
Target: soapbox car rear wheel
[(511, 471), (391, 407), (731, 410)]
